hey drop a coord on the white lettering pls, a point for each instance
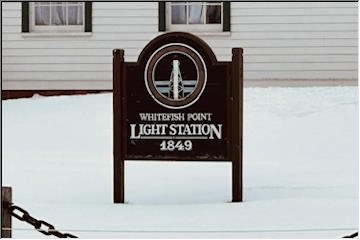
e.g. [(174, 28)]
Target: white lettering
[(133, 132)]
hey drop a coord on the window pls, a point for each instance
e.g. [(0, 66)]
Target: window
[(56, 16), (195, 16)]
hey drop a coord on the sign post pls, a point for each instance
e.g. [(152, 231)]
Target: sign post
[(177, 103), (118, 124), (237, 123), (6, 201)]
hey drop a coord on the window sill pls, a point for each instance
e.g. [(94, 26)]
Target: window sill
[(57, 34)]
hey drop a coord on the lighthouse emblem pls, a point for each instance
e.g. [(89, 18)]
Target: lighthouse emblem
[(175, 76), (176, 87)]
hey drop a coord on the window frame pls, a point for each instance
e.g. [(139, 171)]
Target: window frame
[(54, 28), (28, 21), (206, 28)]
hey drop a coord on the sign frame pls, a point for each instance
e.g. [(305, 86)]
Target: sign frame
[(234, 112)]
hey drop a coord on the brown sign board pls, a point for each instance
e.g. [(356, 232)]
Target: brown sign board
[(177, 103)]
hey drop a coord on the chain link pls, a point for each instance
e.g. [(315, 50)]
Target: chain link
[(354, 235), (40, 225)]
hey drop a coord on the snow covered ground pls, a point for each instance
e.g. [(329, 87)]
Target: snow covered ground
[(300, 171)]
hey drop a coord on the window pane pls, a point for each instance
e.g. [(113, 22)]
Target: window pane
[(196, 13), (178, 14), (75, 15), (42, 3), (57, 3), (58, 14), (42, 15), (213, 14)]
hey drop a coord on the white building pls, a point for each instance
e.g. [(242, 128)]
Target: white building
[(69, 45)]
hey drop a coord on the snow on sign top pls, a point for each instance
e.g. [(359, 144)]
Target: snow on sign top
[(177, 102)]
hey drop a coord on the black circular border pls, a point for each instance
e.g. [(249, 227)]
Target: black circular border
[(150, 68)]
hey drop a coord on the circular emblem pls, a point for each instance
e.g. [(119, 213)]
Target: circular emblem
[(175, 76)]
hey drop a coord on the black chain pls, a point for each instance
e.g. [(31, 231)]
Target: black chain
[(37, 224), (354, 235), (40, 225)]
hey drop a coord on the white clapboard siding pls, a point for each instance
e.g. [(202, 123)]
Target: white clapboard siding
[(15, 60), (248, 66), (126, 6), (293, 19), (11, 13), (51, 67), (10, 6), (298, 5), (315, 58), (299, 27), (60, 75), (265, 12), (95, 36), (279, 43), (281, 40)]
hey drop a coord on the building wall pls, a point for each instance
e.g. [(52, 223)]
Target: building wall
[(297, 40)]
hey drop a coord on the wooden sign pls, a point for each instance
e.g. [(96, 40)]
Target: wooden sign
[(177, 103)]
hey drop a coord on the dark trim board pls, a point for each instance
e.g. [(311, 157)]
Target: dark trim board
[(88, 17), (25, 17), (226, 17), (15, 94), (162, 16)]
